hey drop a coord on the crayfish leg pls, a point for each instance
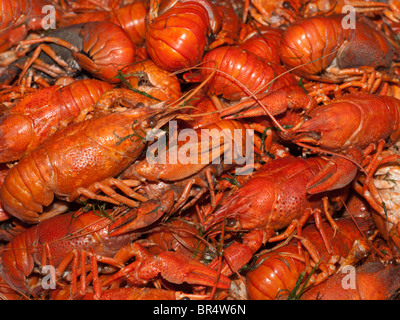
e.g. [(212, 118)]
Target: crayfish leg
[(50, 52), (298, 225), (111, 195)]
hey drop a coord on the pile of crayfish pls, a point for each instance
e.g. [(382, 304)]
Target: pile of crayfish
[(208, 149)]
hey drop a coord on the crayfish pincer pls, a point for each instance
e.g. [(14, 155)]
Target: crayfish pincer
[(373, 281), (80, 159), (350, 125), (352, 128), (274, 198)]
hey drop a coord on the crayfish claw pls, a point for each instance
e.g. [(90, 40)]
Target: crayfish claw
[(171, 266), (337, 173)]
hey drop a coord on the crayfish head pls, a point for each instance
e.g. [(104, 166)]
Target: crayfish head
[(312, 137), (330, 127), (154, 116), (304, 133), (222, 219)]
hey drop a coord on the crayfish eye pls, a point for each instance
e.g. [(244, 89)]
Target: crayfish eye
[(287, 5), (212, 37), (316, 135), (392, 262), (151, 122), (369, 233), (230, 223), (143, 79)]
